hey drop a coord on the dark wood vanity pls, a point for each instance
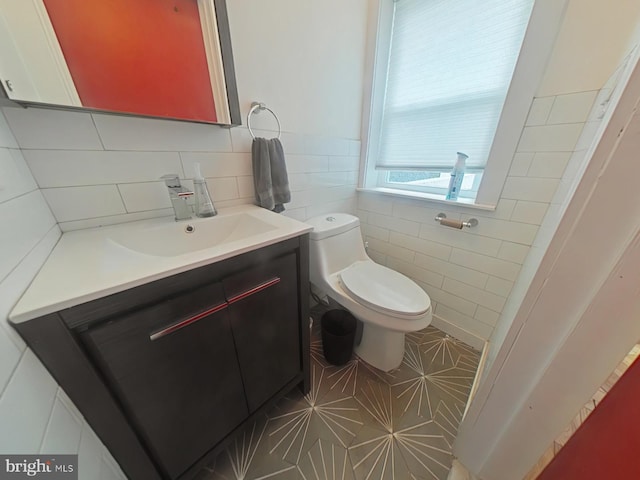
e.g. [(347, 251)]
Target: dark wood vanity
[(168, 371)]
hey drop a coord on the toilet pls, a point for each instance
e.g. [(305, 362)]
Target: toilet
[(386, 302)]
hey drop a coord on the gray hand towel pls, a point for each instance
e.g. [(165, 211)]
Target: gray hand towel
[(270, 178)]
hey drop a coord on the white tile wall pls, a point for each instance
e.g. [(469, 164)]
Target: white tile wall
[(35, 415), (470, 274), (110, 171)]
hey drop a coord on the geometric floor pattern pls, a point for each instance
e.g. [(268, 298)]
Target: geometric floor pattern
[(358, 422)]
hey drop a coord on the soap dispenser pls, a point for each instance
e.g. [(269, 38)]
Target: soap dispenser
[(204, 204)]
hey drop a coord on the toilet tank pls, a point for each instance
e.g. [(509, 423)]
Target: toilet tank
[(335, 243)]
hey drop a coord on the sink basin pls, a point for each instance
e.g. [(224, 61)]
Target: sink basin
[(169, 239)]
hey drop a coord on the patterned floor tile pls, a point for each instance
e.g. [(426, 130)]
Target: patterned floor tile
[(248, 458), (297, 423), (326, 461), (358, 422)]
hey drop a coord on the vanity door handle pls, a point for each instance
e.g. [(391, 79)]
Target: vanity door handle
[(185, 323), (256, 289)]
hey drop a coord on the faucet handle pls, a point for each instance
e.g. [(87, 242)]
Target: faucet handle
[(172, 180)]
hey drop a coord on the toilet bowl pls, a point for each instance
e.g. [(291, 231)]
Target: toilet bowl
[(386, 302)]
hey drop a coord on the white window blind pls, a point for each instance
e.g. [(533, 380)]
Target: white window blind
[(450, 65)]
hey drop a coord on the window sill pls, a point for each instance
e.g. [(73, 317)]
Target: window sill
[(428, 197)]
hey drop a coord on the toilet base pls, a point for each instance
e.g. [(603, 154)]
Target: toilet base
[(380, 347)]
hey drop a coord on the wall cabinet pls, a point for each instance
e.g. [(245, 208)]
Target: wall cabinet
[(170, 370)]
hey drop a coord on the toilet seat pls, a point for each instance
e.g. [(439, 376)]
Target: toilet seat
[(384, 290)]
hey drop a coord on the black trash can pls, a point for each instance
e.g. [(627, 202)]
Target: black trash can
[(338, 333)]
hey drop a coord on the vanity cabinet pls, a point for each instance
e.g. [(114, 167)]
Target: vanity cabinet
[(168, 371)]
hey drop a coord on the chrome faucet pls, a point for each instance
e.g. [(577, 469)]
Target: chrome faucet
[(179, 196)]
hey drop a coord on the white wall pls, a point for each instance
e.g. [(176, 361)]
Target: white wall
[(35, 414), (304, 60), (98, 169), (470, 274)]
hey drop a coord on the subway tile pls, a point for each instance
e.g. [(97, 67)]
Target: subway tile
[(513, 252), (476, 295), (216, 164), (375, 232), (390, 250), (317, 145), (63, 431), (25, 406), (7, 140), (499, 286), (549, 164), (505, 230), (409, 210), (299, 181), (223, 188), (450, 300), (29, 216), (460, 239), (345, 205), (344, 164), (539, 111), (242, 141), (378, 257), (529, 212), (159, 135), (451, 270), (589, 134), (139, 197), (326, 179), (66, 168), (572, 107), (77, 203), (575, 165), (307, 163), (550, 138), (12, 288), (293, 143), (531, 189), (486, 316), (464, 322), (364, 217), (420, 245), (520, 164), (234, 202), (245, 187), (375, 203), (354, 147), (15, 177), (296, 213), (406, 227), (53, 129), (492, 266), (72, 225), (416, 273)]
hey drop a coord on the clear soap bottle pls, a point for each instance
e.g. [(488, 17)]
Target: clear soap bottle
[(204, 204), (457, 175)]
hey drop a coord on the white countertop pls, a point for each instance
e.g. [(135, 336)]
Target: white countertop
[(87, 264)]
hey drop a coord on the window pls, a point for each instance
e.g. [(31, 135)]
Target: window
[(443, 72)]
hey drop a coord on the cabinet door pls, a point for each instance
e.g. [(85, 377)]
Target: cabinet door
[(263, 306), (173, 366)]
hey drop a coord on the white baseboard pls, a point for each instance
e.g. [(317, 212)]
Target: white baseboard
[(459, 472), (458, 333)]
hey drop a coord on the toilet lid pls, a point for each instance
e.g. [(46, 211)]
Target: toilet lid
[(384, 289)]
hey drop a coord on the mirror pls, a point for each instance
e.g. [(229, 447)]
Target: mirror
[(153, 58)]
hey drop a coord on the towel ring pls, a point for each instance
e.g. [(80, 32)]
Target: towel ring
[(257, 107)]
